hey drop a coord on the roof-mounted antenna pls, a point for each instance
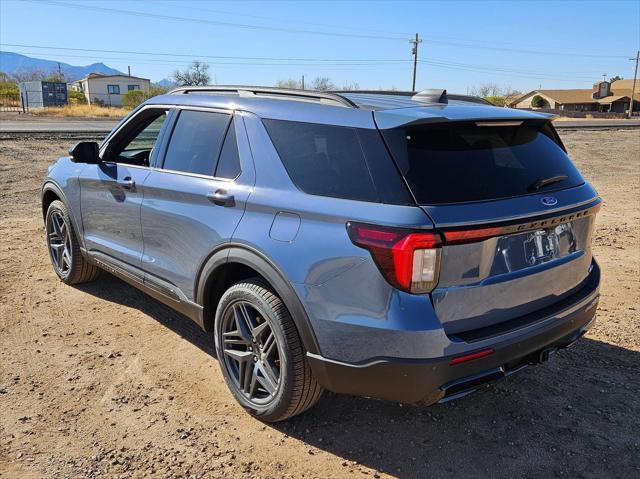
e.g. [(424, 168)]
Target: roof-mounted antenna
[(434, 95)]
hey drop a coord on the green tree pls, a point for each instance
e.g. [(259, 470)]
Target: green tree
[(7, 85), (615, 78), (538, 102), (133, 98), (76, 97), (156, 90), (497, 100)]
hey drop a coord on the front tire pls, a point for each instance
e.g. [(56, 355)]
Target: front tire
[(64, 250), (261, 354)]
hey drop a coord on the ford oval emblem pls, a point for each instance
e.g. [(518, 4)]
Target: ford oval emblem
[(549, 201)]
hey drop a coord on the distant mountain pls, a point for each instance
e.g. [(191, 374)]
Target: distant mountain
[(12, 63), (165, 82)]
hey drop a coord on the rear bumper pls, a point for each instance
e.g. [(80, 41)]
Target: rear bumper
[(431, 380)]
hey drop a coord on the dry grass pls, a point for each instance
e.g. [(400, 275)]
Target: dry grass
[(82, 111)]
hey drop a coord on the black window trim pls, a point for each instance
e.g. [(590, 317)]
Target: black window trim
[(178, 109)]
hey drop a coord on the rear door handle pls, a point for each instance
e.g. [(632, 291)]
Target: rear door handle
[(127, 183), (222, 198)]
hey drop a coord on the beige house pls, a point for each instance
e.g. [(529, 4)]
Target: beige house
[(604, 97), (109, 90)]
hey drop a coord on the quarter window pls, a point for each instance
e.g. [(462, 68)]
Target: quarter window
[(323, 160), (113, 89), (229, 162), (196, 141)]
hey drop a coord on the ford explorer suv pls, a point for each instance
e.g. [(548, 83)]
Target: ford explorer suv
[(404, 246)]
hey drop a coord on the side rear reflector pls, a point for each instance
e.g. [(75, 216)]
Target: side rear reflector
[(472, 356)]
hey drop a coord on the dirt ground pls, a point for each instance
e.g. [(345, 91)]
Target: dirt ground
[(102, 381)]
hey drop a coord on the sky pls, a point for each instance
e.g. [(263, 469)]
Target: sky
[(518, 45)]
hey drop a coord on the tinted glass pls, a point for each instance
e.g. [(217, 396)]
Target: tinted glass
[(452, 163), (195, 142), (229, 162), (388, 182), (323, 160)]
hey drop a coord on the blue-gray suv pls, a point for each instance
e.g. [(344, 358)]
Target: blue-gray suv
[(404, 246)]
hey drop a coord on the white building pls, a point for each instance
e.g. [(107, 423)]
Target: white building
[(109, 90)]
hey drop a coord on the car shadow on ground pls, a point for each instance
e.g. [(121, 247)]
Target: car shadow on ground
[(554, 420), (112, 289)]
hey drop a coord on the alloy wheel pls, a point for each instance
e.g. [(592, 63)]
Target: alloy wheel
[(251, 352), (59, 241)]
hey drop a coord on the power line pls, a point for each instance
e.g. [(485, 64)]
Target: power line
[(435, 38), (20, 45), (518, 75), (456, 44), (175, 18), (302, 61), (182, 6)]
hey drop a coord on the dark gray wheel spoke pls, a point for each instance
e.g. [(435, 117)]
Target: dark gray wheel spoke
[(59, 242), (251, 352), (243, 321), (269, 345), (269, 378)]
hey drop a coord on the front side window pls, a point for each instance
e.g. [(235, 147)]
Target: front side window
[(323, 160), (135, 142), (113, 89), (196, 142)]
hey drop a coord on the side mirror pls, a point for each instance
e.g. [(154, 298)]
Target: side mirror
[(85, 152)]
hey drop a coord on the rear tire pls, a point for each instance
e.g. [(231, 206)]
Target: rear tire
[(64, 250), (262, 359)]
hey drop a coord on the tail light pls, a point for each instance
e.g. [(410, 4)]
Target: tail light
[(409, 260)]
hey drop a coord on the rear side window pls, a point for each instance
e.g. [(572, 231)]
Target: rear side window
[(462, 162), (196, 141), (322, 159)]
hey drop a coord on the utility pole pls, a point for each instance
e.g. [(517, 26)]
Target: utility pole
[(414, 52), (303, 82), (633, 88), (129, 69), (59, 71)]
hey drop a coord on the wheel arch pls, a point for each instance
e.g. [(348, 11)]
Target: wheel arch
[(236, 262), (52, 192)]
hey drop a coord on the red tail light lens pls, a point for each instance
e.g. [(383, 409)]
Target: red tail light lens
[(409, 260), (471, 235)]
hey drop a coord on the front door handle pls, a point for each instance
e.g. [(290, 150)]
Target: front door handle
[(127, 183), (222, 198)]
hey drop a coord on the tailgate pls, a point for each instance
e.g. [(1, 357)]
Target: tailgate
[(530, 264), (516, 213)]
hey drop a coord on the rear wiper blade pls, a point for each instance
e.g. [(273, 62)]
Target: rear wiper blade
[(542, 182)]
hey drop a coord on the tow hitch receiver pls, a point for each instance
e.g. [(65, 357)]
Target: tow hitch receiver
[(543, 355)]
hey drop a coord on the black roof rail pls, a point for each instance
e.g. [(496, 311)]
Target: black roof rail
[(288, 93)]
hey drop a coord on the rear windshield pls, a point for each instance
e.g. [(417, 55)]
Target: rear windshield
[(462, 162)]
